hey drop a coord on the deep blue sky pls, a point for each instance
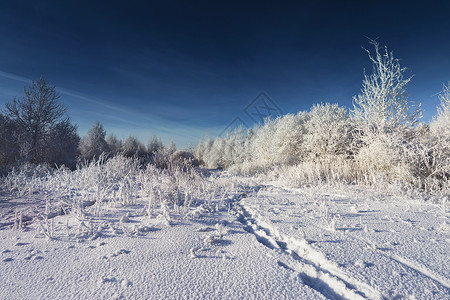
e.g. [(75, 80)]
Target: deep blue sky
[(181, 70)]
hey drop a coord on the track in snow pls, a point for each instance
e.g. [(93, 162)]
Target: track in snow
[(312, 266)]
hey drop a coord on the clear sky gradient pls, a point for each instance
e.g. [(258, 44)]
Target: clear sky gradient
[(181, 70)]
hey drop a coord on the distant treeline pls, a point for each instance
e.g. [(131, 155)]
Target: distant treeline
[(36, 129)]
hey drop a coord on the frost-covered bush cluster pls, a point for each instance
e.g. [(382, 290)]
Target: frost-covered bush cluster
[(111, 182), (95, 144), (379, 140)]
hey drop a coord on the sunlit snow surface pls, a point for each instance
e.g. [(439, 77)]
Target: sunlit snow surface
[(266, 243), (378, 248)]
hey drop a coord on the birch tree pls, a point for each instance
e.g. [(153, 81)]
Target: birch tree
[(383, 106)]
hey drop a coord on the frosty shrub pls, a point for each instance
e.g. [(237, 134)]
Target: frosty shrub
[(116, 181), (337, 170), (328, 133), (26, 179), (184, 158), (279, 141), (383, 157), (440, 125), (223, 152), (162, 158)]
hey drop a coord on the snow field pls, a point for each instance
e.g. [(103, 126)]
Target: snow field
[(152, 234), (156, 264), (378, 249)]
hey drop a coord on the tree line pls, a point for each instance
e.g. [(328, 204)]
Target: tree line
[(36, 129), (381, 137)]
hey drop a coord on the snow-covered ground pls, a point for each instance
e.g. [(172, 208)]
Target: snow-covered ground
[(266, 242), (355, 248)]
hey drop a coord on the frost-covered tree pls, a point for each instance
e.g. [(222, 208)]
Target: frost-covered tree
[(440, 126), (235, 151), (64, 141), (184, 158), (154, 145), (383, 106), (163, 157), (114, 144), (94, 143), (203, 148), (171, 148), (328, 132), (133, 147), (10, 138), (35, 115), (262, 147), (248, 142), (384, 119), (279, 141), (224, 151), (215, 157)]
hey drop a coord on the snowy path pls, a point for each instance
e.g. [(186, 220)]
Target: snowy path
[(310, 264)]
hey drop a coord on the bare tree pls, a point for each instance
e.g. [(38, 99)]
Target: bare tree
[(35, 115)]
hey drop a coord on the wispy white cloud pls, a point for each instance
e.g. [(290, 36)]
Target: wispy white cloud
[(93, 100), (12, 76), (65, 91), (110, 117), (131, 122)]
